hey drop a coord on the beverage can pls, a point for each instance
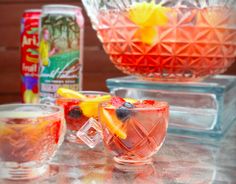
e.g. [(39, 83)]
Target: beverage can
[(29, 55), (60, 49)]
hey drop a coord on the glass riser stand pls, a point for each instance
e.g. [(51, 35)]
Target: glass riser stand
[(205, 108)]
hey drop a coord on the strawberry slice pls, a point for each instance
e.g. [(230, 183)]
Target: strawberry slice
[(117, 101), (55, 130), (151, 102)]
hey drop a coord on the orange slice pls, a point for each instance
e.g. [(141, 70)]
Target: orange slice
[(113, 124), (68, 93)]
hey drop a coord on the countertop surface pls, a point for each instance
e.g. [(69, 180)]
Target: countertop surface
[(180, 160)]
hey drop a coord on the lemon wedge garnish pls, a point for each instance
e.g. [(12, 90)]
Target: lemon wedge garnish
[(147, 16), (130, 100), (89, 107), (68, 93), (113, 124)]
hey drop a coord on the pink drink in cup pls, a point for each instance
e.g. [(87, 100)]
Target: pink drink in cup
[(131, 131), (79, 107), (29, 137)]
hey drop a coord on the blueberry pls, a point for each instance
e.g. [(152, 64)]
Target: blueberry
[(128, 105), (75, 112), (124, 111)]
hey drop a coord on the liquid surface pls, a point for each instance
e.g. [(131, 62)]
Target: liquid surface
[(20, 114)]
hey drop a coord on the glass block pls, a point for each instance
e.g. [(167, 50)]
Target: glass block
[(90, 133), (205, 108)]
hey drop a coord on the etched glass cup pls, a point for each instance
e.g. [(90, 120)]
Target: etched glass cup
[(166, 40), (78, 111), (133, 135), (30, 135)]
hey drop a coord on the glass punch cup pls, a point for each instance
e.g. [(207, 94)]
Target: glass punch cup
[(79, 107), (30, 135), (132, 130)]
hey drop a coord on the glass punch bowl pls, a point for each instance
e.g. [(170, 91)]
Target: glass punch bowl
[(166, 40)]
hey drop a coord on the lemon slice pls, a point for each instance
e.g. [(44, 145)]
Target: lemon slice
[(148, 35), (113, 124), (158, 17), (141, 12), (68, 93), (89, 107), (130, 100), (147, 16)]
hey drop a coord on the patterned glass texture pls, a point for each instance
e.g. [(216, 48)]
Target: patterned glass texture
[(167, 40)]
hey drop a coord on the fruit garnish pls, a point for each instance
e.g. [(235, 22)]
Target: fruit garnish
[(117, 101), (55, 130), (90, 109), (68, 93), (74, 122), (148, 35), (124, 112), (113, 124), (147, 15), (128, 105), (151, 102), (130, 100), (75, 112), (90, 106)]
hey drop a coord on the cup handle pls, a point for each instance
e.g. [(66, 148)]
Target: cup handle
[(90, 133)]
